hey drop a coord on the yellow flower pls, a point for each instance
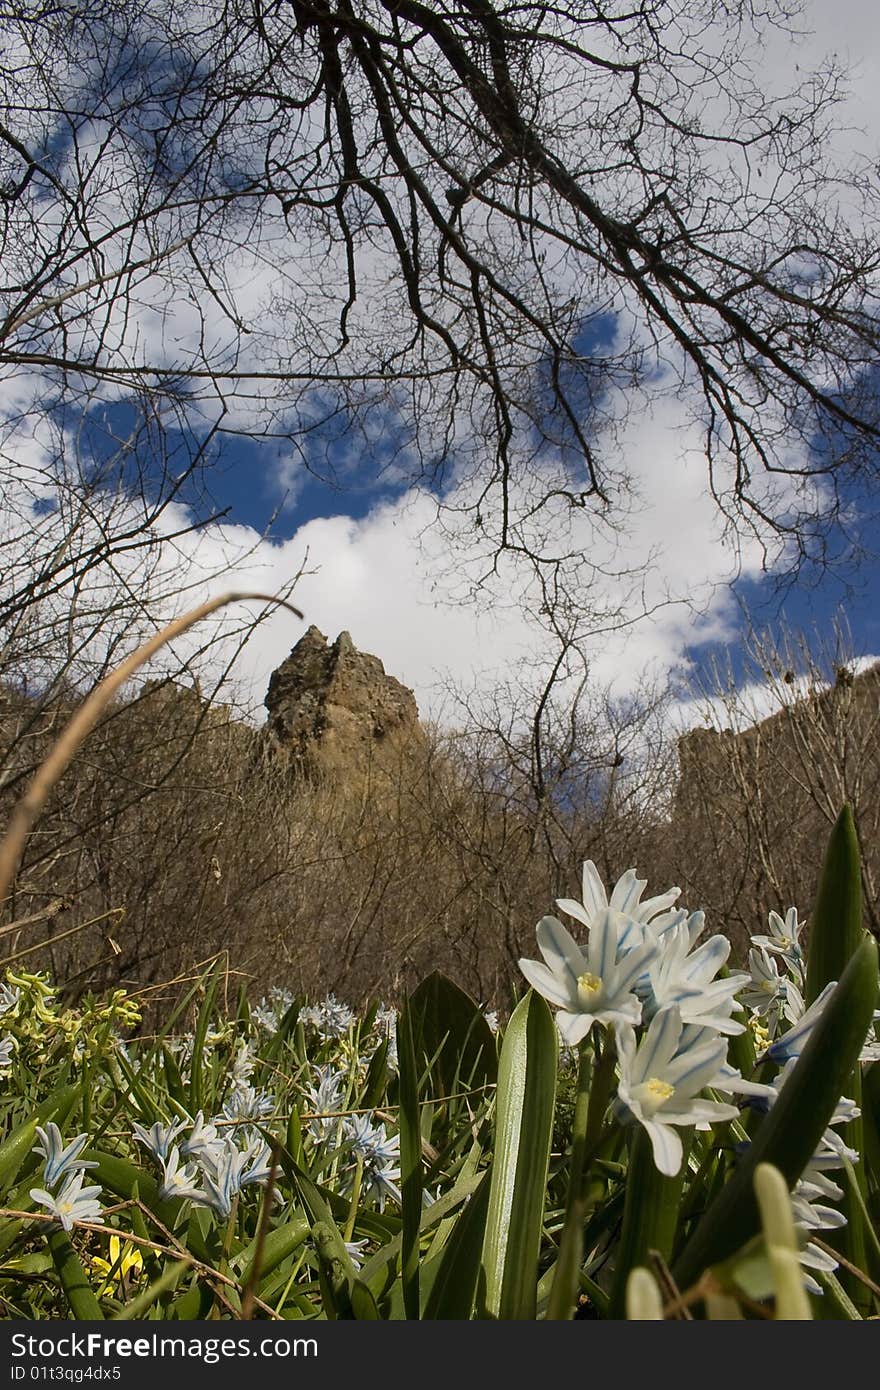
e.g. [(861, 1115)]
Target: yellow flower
[(124, 1260), (760, 1033)]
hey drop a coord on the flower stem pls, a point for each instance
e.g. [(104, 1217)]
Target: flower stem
[(590, 1105), (650, 1214), (348, 1233)]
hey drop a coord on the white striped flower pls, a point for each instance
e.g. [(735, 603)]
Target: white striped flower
[(595, 986), (792, 1043), (60, 1161), (783, 939), (159, 1138), (685, 979), (660, 1082), (73, 1202), (625, 898), (767, 993), (179, 1181)]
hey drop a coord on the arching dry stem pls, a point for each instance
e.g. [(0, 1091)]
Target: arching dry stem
[(84, 720)]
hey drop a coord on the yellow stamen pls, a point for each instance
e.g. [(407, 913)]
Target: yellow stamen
[(588, 987), (661, 1089)]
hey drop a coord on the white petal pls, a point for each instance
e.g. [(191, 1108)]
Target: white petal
[(575, 910), (634, 962), (545, 982), (652, 907), (573, 1028), (625, 1009), (690, 1071), (659, 1043), (627, 891), (559, 948), (699, 1111), (595, 897), (666, 1146), (626, 1048), (707, 959), (602, 951)]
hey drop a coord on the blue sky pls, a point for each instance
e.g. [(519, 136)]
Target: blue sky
[(349, 525), (377, 563)]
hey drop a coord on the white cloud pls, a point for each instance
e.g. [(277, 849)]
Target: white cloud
[(754, 700), (387, 577)]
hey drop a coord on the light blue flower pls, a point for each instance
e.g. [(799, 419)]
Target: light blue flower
[(596, 987), (201, 1137), (244, 1103), (60, 1162), (9, 999), (379, 1182), (227, 1169), (325, 1100), (159, 1138), (626, 899), (222, 1180), (269, 1012), (330, 1017), (243, 1063), (355, 1250), (180, 1182), (380, 1179), (768, 994), (264, 1017), (684, 978), (258, 1165), (871, 1049), (73, 1202), (814, 1257), (7, 1047), (379, 1154), (281, 998), (792, 1043), (386, 1026), (660, 1083), (811, 1213), (783, 940), (372, 1142), (731, 1082)]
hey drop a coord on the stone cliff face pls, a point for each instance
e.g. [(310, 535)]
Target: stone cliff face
[(335, 711), (771, 753)]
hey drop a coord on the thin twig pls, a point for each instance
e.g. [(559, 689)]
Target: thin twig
[(847, 1264), (670, 1289), (117, 912), (176, 1250), (51, 911)]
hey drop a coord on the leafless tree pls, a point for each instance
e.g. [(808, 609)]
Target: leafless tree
[(469, 236), (763, 783), (473, 231)]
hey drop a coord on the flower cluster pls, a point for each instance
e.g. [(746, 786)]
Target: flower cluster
[(775, 998), (330, 1018), (270, 1011), (643, 978), (207, 1167), (365, 1147), (38, 1026)]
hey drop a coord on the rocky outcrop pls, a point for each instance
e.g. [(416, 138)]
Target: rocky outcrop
[(772, 755), (335, 711)]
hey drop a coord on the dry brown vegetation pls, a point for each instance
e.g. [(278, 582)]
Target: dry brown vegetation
[(179, 831)]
